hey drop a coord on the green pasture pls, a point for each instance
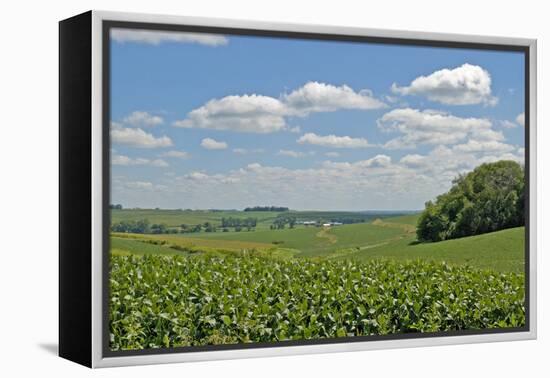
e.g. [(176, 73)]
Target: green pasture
[(174, 218), (501, 251), (391, 238)]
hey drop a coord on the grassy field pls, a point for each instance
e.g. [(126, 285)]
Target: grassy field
[(502, 251), (174, 218), (181, 240), (410, 219), (129, 246), (314, 241), (391, 238)]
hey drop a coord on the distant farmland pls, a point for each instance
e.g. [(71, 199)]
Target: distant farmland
[(174, 218), (391, 237)]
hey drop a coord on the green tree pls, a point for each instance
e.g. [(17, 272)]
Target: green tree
[(489, 198), (159, 229)]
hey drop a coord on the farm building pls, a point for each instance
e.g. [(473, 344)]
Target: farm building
[(309, 223), (332, 224)]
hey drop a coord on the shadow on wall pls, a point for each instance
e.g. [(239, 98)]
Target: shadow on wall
[(51, 348)]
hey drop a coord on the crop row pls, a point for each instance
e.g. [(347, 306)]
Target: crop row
[(167, 301)]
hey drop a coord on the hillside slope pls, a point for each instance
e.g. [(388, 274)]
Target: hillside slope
[(501, 250)]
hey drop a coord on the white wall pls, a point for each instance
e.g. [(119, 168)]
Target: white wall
[(28, 148)]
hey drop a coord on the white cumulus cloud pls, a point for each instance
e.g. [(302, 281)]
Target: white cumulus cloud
[(520, 119), (428, 127), (295, 130), (139, 185), (248, 113), (377, 182), (321, 97), (176, 154), (154, 37), (483, 146), (255, 113), (507, 124), (127, 161), (244, 151), (197, 176), (333, 141), (136, 137), (212, 144), (142, 119), (413, 160), (291, 153), (465, 85)]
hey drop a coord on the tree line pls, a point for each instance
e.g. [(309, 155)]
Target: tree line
[(239, 223), (191, 228), (267, 208), (143, 226), (490, 198), (281, 221)]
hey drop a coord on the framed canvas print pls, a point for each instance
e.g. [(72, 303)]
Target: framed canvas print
[(235, 189)]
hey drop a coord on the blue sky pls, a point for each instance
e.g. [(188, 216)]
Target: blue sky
[(211, 121)]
